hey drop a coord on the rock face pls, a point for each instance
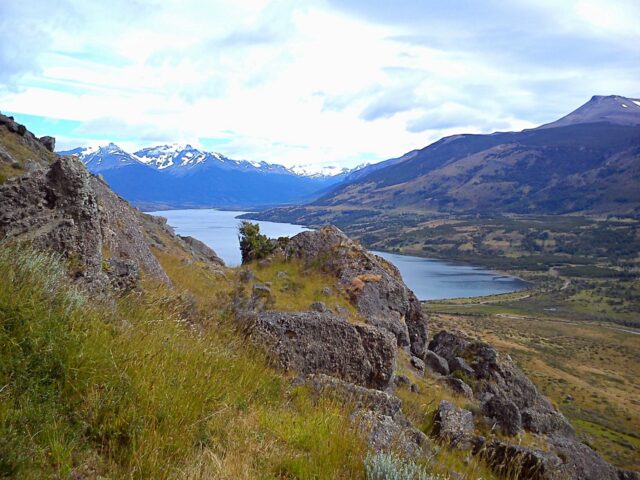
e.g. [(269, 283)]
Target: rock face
[(375, 286), (66, 210), (512, 403), (313, 342)]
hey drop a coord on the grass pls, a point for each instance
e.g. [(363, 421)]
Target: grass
[(135, 390), (295, 288), (19, 150)]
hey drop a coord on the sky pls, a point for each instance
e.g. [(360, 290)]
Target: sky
[(318, 82)]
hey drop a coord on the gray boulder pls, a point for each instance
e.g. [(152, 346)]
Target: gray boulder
[(458, 364), (318, 307), (418, 364), (458, 386), (386, 434), (504, 413), (361, 398), (312, 342), (454, 425), (436, 363)]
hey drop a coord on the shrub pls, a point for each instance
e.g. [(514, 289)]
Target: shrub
[(387, 466), (253, 244)]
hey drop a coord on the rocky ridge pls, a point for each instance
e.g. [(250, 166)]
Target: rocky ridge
[(360, 365), (59, 206)]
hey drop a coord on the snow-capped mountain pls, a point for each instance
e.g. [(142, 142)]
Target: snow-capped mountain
[(98, 159), (181, 175), (176, 155), (182, 159)]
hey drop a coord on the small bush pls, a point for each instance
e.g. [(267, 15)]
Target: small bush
[(386, 466)]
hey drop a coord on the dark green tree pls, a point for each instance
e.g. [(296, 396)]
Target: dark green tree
[(253, 244)]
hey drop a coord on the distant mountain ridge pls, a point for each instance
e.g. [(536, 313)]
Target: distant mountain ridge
[(178, 176), (176, 156), (588, 161)]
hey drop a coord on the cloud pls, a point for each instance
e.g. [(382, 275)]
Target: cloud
[(389, 103), (309, 82)]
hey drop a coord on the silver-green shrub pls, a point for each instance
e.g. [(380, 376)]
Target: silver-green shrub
[(387, 466)]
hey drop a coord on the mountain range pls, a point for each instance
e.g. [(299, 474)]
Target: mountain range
[(585, 162), (184, 176)]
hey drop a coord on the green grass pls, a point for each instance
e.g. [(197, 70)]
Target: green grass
[(295, 287), (132, 390)]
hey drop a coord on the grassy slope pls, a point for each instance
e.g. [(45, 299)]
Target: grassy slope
[(138, 390)]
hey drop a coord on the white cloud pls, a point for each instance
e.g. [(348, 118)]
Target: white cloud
[(300, 83)]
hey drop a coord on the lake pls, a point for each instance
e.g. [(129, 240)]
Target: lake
[(430, 279)]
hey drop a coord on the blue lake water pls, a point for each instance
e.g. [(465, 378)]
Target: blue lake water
[(430, 279)]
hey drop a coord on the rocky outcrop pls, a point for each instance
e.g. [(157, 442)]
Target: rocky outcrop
[(508, 397), (66, 210), (375, 286), (312, 342), (376, 414), (200, 251), (21, 149), (48, 142), (511, 403)]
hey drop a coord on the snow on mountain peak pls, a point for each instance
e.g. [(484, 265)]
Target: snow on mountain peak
[(177, 156), (321, 171)]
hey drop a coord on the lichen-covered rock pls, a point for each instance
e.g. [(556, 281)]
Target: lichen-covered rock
[(377, 414), (384, 434), (361, 398), (313, 342), (375, 286), (454, 425)]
